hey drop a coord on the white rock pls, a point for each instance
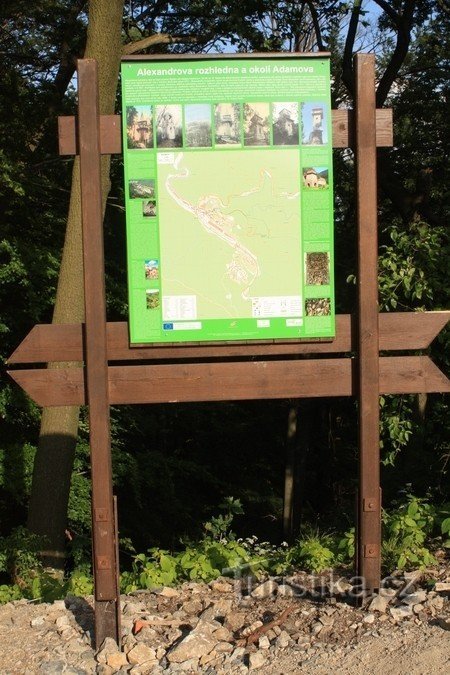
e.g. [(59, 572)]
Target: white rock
[(37, 622), (224, 648), (369, 618), (341, 586), (402, 612), (388, 593), (221, 586), (223, 634), (379, 603), (436, 602), (190, 666), (116, 660), (316, 628), (442, 587), (195, 645), (326, 620), (238, 654), (256, 660), (133, 608), (108, 646), (283, 639), (414, 598), (168, 592), (265, 590), (141, 653), (62, 622), (264, 642)]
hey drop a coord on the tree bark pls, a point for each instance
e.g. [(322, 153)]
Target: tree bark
[(53, 464)]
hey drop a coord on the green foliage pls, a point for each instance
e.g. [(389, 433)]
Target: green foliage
[(396, 426), (313, 552), (410, 267), (19, 555), (220, 526), (405, 532), (8, 593), (346, 546)]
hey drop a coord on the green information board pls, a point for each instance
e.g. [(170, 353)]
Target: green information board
[(229, 198)]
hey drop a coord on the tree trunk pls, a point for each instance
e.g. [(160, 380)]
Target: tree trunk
[(53, 464)]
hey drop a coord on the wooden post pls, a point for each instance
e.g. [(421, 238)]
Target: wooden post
[(369, 507), (104, 553)]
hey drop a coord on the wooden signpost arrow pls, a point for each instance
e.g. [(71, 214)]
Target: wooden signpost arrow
[(228, 379), (349, 365)]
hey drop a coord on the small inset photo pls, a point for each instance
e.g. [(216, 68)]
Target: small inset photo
[(256, 124), (197, 123), (141, 188), (314, 124), (317, 269), (318, 307), (149, 208), (315, 177), (152, 298), (139, 127), (285, 123), (227, 117), (151, 269), (168, 126)]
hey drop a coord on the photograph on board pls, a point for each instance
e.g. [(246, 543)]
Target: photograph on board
[(314, 124), (256, 124), (315, 177), (318, 307), (151, 269), (197, 123), (149, 208), (152, 298), (141, 188), (227, 117), (139, 127), (285, 123), (317, 269), (168, 126)]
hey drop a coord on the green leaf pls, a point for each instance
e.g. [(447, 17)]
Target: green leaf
[(445, 526)]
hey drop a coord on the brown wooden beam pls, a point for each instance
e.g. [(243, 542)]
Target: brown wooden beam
[(111, 131), (232, 381), (105, 563), (398, 331), (369, 533)]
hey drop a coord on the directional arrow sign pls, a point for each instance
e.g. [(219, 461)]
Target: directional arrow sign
[(228, 379), (398, 331), (232, 381)]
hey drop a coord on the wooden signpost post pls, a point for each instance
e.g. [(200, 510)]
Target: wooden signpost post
[(349, 365)]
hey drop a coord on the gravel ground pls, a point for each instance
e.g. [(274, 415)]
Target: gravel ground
[(278, 626)]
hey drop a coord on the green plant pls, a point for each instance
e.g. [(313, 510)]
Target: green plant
[(443, 519), (9, 593), (405, 531), (19, 556), (220, 526), (346, 546), (314, 551), (396, 426), (80, 584)]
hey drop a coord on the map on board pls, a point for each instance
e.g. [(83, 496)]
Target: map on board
[(233, 220), (229, 198)]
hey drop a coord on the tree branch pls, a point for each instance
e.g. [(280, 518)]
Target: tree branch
[(404, 24), (392, 14), (156, 39), (315, 20), (347, 60)]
